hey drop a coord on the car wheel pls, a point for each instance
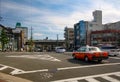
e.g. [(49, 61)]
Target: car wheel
[(74, 57), (115, 55), (86, 59), (100, 60)]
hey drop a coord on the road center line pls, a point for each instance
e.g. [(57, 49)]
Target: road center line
[(66, 68), (87, 66)]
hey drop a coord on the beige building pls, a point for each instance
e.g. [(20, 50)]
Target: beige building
[(115, 26), (17, 37), (95, 24), (69, 37)]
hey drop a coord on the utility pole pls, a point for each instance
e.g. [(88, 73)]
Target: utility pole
[(31, 34), (31, 40), (57, 39)]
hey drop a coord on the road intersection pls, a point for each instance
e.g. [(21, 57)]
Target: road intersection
[(59, 67)]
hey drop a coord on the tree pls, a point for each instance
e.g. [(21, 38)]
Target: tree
[(3, 39), (31, 43)]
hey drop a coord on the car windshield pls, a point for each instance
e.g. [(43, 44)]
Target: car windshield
[(94, 49), (60, 48)]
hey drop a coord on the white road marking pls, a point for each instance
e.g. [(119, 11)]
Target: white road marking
[(4, 67), (15, 70), (114, 57), (90, 77), (19, 71), (91, 80), (66, 68), (73, 81), (110, 79), (42, 57), (117, 75)]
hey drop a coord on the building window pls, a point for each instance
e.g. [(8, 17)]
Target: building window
[(91, 25)]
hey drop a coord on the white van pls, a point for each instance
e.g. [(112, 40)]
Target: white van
[(60, 50)]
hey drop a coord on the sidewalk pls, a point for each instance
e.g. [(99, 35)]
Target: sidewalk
[(10, 78)]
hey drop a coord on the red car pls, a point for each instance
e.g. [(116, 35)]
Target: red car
[(89, 53)]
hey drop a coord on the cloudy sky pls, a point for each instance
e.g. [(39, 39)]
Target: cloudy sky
[(49, 17)]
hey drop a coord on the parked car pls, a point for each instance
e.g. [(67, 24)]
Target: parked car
[(60, 50), (37, 49), (112, 50), (90, 53)]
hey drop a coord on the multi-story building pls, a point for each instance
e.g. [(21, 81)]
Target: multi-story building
[(69, 38), (16, 37), (108, 36), (115, 25), (82, 30), (24, 34), (80, 33)]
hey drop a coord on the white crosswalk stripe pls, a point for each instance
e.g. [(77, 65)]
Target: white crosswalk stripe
[(73, 81), (110, 79), (92, 78)]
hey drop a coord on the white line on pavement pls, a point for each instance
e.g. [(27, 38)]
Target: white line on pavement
[(91, 80), (15, 70), (114, 57), (87, 66), (66, 68), (86, 77), (40, 57), (19, 71), (4, 67)]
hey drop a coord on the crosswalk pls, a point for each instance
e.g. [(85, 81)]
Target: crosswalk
[(107, 77)]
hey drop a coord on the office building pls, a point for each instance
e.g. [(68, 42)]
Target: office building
[(83, 29), (69, 37)]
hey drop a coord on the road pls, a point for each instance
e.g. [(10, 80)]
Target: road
[(58, 67)]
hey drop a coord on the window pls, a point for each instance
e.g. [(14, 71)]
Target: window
[(92, 49), (83, 49), (91, 25)]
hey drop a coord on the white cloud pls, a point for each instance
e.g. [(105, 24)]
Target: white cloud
[(38, 34), (51, 1), (47, 20), (109, 9)]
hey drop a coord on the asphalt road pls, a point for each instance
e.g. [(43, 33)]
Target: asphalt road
[(58, 67)]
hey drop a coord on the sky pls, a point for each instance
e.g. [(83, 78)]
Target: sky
[(48, 18)]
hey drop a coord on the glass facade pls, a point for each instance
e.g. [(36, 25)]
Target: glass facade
[(80, 34)]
